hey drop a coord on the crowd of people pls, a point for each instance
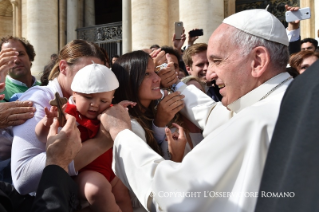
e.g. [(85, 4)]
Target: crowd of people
[(208, 127)]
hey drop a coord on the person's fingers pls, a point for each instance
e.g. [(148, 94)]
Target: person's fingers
[(169, 58), (171, 96), (168, 135), (8, 50), (70, 122), (180, 129), (53, 128), (173, 37), (177, 106), (127, 103), (21, 104), (16, 122), (2, 97), (47, 111), (19, 110), (20, 116), (155, 52)]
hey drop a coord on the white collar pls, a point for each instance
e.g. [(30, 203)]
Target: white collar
[(17, 82), (255, 95), (55, 86)]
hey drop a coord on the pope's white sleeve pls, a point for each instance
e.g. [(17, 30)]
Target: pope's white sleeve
[(198, 105)]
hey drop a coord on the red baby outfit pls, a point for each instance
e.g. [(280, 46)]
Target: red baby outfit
[(88, 129)]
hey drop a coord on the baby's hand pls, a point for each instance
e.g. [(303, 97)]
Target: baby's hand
[(49, 115), (126, 103), (176, 143)]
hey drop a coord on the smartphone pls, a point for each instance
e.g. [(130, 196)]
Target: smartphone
[(301, 14), (196, 32), (178, 30)]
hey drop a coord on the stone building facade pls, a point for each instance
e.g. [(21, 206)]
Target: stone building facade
[(121, 26)]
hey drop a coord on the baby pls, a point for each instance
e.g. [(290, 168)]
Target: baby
[(93, 88)]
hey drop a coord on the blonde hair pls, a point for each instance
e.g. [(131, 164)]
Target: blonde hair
[(73, 51)]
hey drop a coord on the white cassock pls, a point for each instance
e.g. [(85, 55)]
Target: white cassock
[(223, 172)]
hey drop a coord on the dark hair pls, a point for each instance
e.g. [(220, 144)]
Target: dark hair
[(170, 50), (310, 40), (46, 72), (73, 51), (53, 56), (106, 56), (296, 59), (130, 71), (116, 56), (28, 47), (155, 46)]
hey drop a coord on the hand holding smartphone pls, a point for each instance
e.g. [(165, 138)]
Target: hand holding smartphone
[(178, 30), (196, 32), (301, 14)]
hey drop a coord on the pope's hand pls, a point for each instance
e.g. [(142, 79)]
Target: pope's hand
[(62, 147), (115, 119)]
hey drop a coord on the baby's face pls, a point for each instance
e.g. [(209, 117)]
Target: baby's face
[(91, 105)]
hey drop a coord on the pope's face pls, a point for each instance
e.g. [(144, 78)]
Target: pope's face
[(227, 66)]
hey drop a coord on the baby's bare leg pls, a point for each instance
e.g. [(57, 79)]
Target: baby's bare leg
[(122, 195), (97, 190)]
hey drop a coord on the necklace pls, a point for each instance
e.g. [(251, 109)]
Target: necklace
[(274, 88)]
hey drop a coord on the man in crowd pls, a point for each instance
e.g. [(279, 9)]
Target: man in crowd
[(195, 59), (309, 44), (19, 79), (293, 32), (11, 113), (196, 62), (247, 57), (114, 58)]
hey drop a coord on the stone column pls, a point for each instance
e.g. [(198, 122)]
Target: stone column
[(126, 26), (307, 27), (173, 16), (18, 19), (62, 23), (72, 15), (14, 2), (42, 32), (80, 14), (207, 15), (230, 7), (89, 13), (24, 15), (149, 23)]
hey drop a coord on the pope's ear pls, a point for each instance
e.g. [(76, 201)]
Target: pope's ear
[(63, 66), (260, 61)]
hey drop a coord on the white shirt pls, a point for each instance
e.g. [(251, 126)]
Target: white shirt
[(28, 153), (223, 172)]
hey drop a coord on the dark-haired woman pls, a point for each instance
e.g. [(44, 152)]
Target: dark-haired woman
[(139, 83)]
